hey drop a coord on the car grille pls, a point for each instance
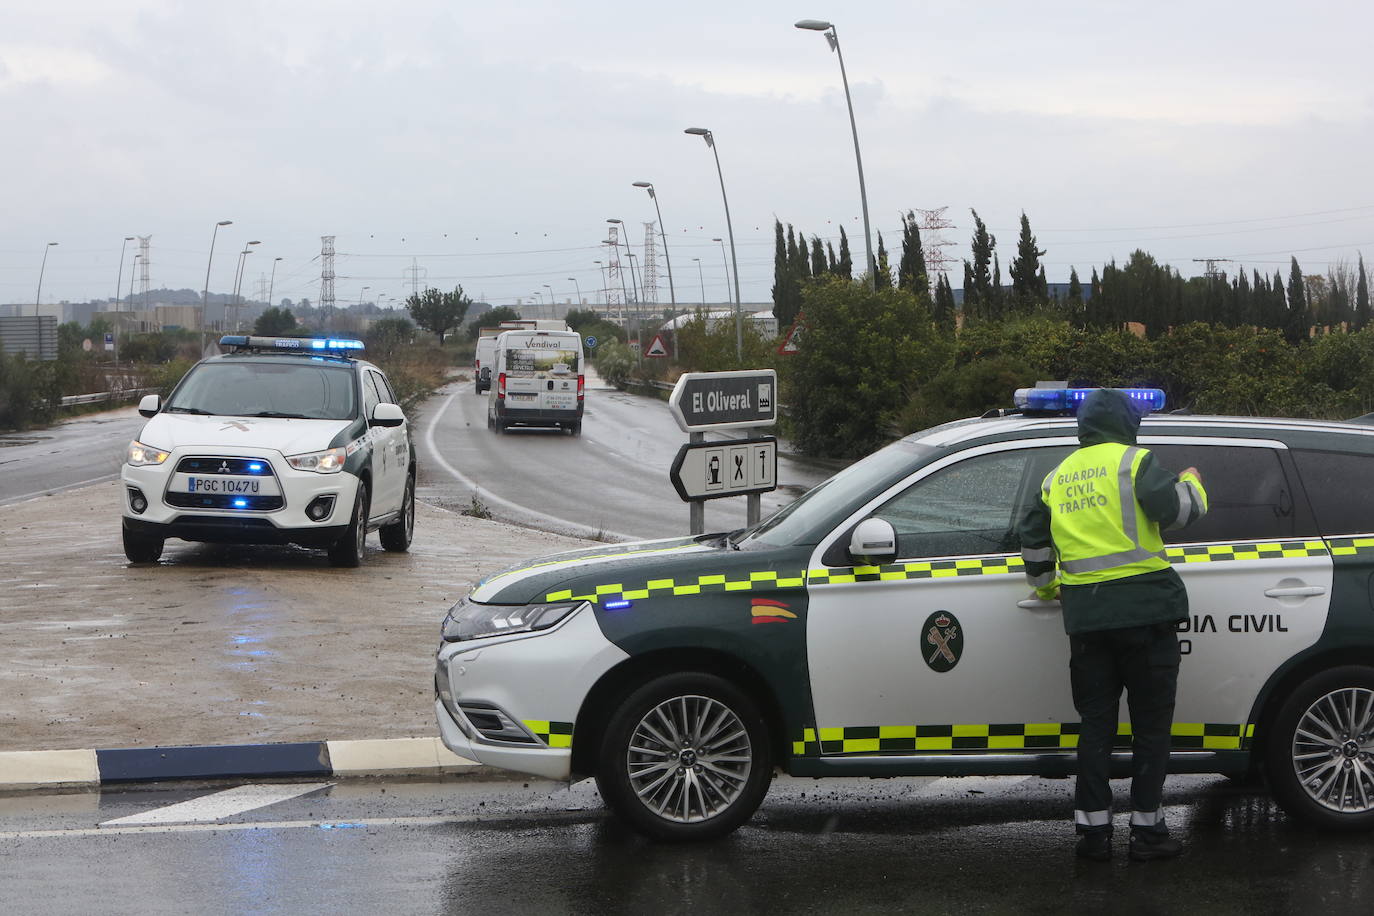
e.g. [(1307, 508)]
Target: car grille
[(204, 466), (221, 466), (225, 501)]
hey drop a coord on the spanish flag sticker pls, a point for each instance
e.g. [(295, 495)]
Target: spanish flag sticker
[(766, 610)]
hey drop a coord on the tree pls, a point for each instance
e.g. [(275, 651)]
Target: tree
[(1296, 323), (786, 285), (911, 270), (439, 312), (884, 271), (274, 321), (1361, 299), (979, 293), (845, 265), (1027, 285), (943, 312), (818, 265), (387, 336), (492, 318)]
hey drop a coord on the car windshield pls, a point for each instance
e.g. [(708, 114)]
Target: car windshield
[(815, 513), (303, 388)]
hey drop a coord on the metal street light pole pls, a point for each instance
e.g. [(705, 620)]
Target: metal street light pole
[(634, 284), (272, 282), (604, 298), (726, 264), (702, 280), (119, 278), (205, 296), (238, 281), (551, 302), (832, 36), (649, 186), (577, 286), (360, 295), (132, 267), (710, 139), (38, 297)]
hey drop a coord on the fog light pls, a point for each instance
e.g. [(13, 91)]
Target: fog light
[(320, 507), (137, 501)]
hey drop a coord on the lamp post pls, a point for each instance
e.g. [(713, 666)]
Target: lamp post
[(272, 282), (634, 284), (360, 295), (831, 36), (726, 264), (702, 280), (603, 281), (119, 278), (551, 302), (205, 296), (131, 280), (238, 280), (710, 139), (577, 286), (38, 297), (649, 186)]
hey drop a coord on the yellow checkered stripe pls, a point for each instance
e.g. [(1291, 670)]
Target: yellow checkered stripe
[(760, 580), (554, 734), (1269, 550), (932, 569), (1023, 736), (1349, 547)]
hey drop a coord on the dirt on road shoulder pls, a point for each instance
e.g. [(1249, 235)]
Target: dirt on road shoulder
[(220, 644)]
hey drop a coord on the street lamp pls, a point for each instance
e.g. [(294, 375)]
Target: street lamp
[(649, 186), (38, 297), (272, 282), (137, 255), (702, 280), (578, 287), (205, 296), (119, 278), (634, 284), (831, 36), (360, 295), (710, 139), (550, 289), (724, 263), (238, 280), (605, 299)]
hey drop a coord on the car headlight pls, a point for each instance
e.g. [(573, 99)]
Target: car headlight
[(140, 454), (468, 620), (329, 461)]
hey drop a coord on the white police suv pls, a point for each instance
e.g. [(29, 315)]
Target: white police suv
[(881, 625), (279, 440)]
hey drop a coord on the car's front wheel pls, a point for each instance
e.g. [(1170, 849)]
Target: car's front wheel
[(142, 548), (1320, 752), (348, 550), (685, 757), (397, 536)]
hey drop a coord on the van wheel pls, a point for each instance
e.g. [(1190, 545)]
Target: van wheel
[(575, 427), (349, 549), (685, 757), (396, 537), (1320, 753), (142, 548), (500, 425)]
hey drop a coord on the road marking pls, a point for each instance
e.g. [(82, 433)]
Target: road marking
[(218, 805), (431, 821), (53, 491), (490, 497)]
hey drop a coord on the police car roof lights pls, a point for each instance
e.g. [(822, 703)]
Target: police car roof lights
[(1066, 400), (336, 345)]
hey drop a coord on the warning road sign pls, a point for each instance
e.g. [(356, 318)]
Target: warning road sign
[(657, 348), (791, 343)]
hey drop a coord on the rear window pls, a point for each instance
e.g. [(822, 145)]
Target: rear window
[(1249, 497), (1337, 484), (542, 363)]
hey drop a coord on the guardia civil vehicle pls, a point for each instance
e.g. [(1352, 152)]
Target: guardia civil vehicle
[(881, 625), (278, 440)]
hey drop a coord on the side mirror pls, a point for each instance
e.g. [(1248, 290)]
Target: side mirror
[(388, 415), (149, 405), (873, 542)]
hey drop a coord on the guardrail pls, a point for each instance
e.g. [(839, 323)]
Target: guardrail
[(103, 396)]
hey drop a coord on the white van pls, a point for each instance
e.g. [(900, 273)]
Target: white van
[(485, 358), (538, 380)]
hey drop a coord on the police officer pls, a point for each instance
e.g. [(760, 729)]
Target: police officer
[(1100, 513)]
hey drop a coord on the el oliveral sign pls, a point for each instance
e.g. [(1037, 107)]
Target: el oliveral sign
[(723, 400)]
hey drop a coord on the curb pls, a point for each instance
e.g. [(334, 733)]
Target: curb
[(382, 757)]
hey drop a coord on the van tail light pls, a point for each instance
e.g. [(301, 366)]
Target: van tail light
[(581, 387), (501, 385)]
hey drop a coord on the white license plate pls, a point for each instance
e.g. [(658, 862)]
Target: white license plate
[(218, 485), (521, 396)]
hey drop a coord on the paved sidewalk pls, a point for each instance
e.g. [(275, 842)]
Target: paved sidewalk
[(221, 645)]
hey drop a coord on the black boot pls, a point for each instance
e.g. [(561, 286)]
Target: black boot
[(1149, 844), (1095, 845)]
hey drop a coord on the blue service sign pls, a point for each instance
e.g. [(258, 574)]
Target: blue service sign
[(591, 342)]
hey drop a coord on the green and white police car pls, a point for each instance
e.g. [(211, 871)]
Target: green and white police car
[(279, 440), (881, 625)]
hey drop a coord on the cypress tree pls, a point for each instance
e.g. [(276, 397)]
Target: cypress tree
[(980, 290), (1027, 285), (1296, 325), (884, 272), (1361, 319), (996, 300), (831, 264), (846, 263), (780, 274), (943, 312), (911, 271), (818, 265), (973, 307)]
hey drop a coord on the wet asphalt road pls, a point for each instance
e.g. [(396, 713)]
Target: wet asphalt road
[(969, 845)]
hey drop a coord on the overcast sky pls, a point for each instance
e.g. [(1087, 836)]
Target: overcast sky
[(490, 142)]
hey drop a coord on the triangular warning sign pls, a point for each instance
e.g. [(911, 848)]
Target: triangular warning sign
[(657, 348), (791, 343)]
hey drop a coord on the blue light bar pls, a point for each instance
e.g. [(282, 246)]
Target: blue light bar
[(323, 344), (1066, 400)]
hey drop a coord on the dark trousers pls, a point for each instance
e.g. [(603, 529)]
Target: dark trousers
[(1144, 660)]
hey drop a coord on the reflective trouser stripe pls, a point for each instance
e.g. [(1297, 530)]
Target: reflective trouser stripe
[(1147, 818), (1042, 580), (1037, 554), (1092, 818)]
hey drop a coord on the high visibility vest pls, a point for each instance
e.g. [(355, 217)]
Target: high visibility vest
[(1099, 529)]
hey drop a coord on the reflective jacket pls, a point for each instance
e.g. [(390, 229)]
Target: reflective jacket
[(1097, 523)]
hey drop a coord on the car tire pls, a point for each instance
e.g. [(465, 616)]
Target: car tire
[(660, 773), (142, 548), (396, 537), (499, 425), (575, 427), (349, 549), (1320, 763)]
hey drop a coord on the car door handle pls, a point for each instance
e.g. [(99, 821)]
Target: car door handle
[(1295, 591), (1039, 604)]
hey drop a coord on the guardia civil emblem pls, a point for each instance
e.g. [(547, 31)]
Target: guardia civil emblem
[(942, 641)]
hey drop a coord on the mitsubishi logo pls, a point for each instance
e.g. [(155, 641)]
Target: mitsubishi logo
[(224, 467)]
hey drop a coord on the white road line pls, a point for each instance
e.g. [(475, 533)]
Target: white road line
[(61, 488), (217, 805), (490, 497), (295, 825)]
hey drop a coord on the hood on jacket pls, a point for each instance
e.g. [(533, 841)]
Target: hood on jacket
[(1107, 415)]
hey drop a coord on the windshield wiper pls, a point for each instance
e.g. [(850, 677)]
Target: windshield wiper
[(195, 410), (279, 416)]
